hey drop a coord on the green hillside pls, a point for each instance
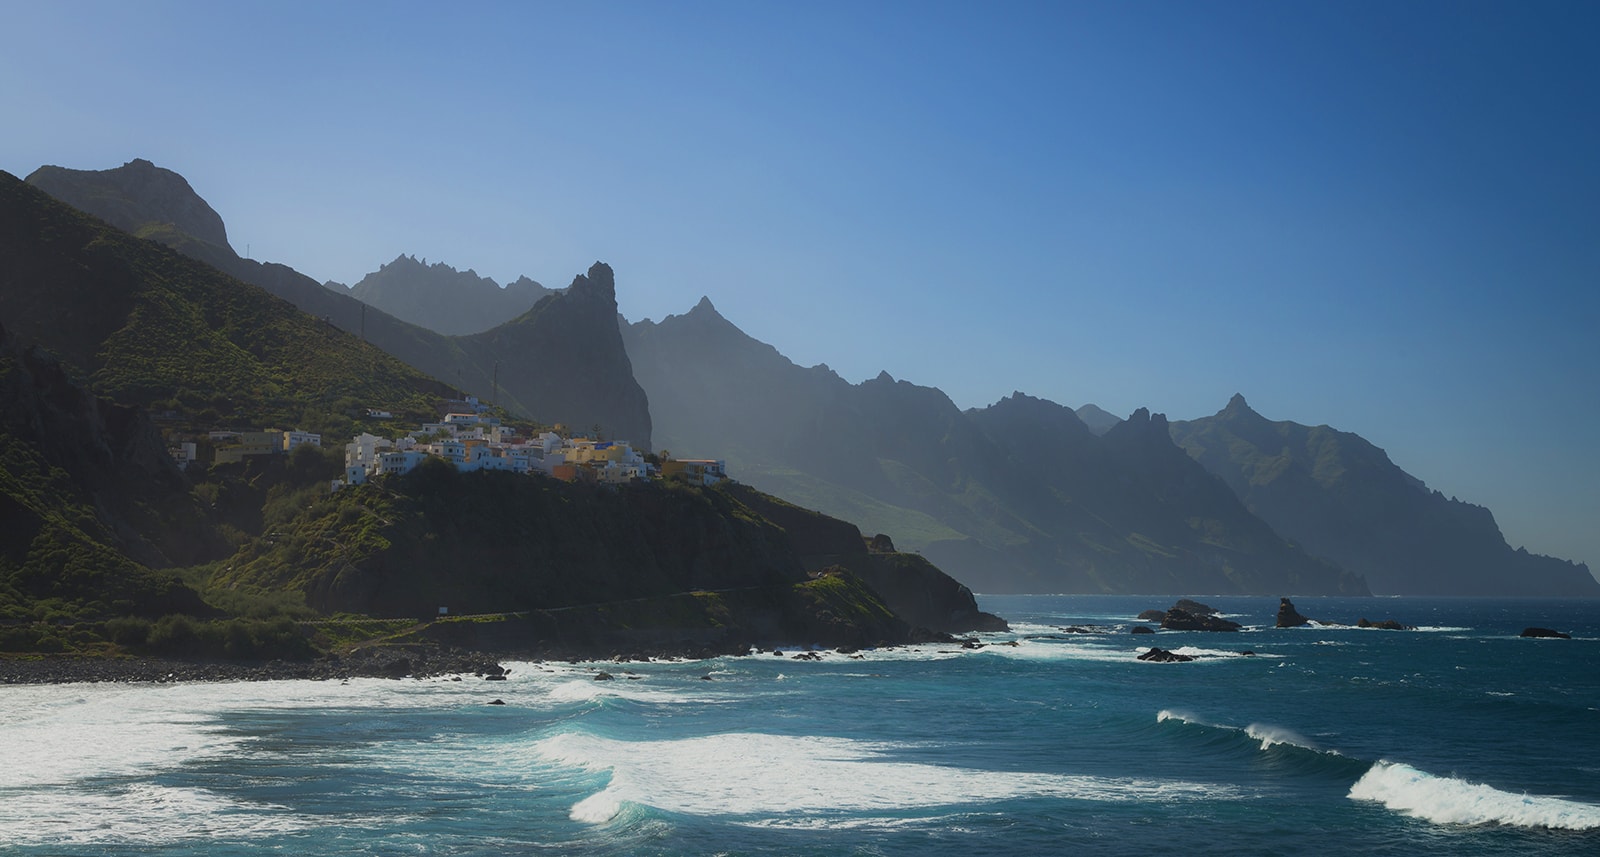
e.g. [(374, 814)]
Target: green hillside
[(107, 546)]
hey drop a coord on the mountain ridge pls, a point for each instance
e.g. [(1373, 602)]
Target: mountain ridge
[(1342, 497), (564, 391)]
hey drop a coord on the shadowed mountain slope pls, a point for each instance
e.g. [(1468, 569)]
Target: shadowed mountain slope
[(1018, 497), (562, 361), (1342, 498)]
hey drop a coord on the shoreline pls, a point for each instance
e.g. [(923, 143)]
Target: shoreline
[(392, 662)]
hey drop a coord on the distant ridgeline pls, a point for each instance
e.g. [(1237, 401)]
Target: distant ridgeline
[(1343, 499), (97, 522), (1022, 496), (442, 299), (1028, 496)]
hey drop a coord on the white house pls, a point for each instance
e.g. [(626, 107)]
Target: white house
[(292, 439)]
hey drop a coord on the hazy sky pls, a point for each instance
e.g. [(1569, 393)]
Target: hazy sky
[(1381, 216)]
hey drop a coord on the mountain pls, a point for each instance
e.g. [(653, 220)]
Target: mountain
[(95, 514), (1343, 499), (100, 326), (1017, 497), (560, 362), (442, 299), (1097, 419)]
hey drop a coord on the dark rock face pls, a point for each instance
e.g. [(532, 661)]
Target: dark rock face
[(1162, 656), (1182, 620), (1143, 629), (1288, 617), (1152, 615), (1544, 632)]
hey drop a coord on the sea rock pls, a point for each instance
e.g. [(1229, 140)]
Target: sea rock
[(1162, 656), (1152, 615), (1288, 617), (1386, 625), (603, 676), (1182, 620), (1544, 632), (1144, 629), (496, 702), (1195, 607)]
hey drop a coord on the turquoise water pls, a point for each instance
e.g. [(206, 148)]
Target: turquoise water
[(1459, 738)]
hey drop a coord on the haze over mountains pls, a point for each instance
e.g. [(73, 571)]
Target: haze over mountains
[(442, 299), (1021, 496), (560, 362)]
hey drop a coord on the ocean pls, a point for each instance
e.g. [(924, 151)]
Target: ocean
[(1459, 738)]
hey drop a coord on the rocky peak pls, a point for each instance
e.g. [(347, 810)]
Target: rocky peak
[(599, 284), (134, 196)]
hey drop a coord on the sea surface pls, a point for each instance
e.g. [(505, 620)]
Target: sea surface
[(1459, 738)]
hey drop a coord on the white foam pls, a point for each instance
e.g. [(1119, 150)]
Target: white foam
[(1448, 800), (142, 813), (761, 776), (1197, 652), (1271, 736)]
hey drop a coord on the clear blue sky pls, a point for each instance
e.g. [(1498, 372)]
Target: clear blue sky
[(1382, 216)]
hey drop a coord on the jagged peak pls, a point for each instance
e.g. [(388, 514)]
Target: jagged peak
[(884, 376), (1237, 407), (600, 283), (704, 306)]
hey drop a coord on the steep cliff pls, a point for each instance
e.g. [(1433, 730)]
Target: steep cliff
[(1342, 498), (91, 506)]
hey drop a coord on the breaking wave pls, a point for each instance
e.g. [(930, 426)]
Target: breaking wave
[(1448, 800)]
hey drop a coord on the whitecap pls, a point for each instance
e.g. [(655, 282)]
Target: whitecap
[(761, 776), (1449, 800)]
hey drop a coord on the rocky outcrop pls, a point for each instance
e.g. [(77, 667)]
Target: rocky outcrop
[(914, 588), (1188, 605), (1288, 617), (137, 197), (1544, 633), (1182, 620), (1385, 625), (1162, 656)]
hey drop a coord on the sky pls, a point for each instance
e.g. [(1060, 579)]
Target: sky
[(1380, 216)]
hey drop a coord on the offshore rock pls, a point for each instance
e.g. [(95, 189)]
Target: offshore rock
[(1386, 625), (1152, 615), (1162, 656), (1288, 617), (1544, 632), (1195, 607), (1182, 620)]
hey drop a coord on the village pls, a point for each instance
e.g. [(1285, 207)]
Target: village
[(471, 440)]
